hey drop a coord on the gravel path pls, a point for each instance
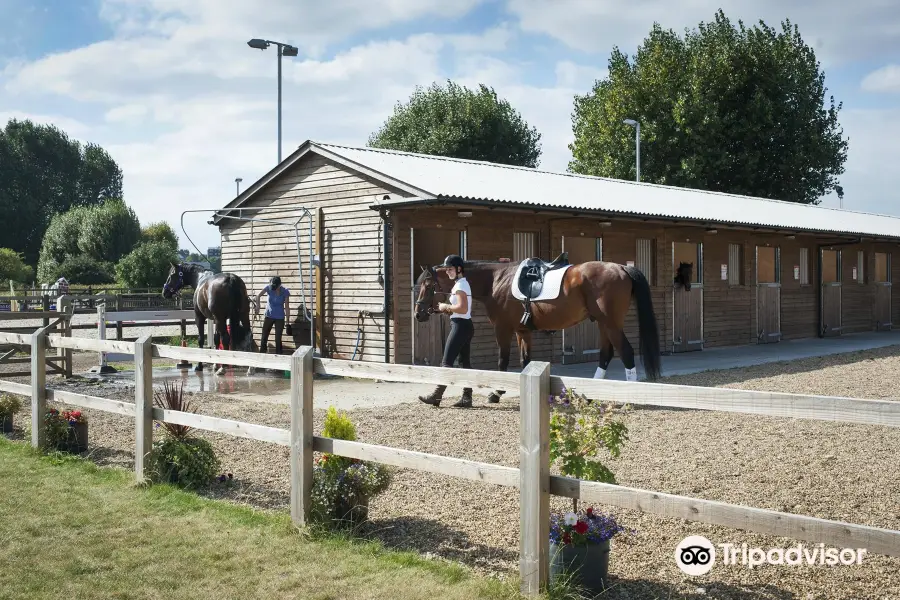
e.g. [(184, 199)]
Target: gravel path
[(827, 470)]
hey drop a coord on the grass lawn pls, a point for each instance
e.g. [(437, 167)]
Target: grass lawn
[(70, 529)]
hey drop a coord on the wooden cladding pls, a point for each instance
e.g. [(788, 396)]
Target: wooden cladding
[(831, 266), (735, 264), (767, 267), (524, 245), (644, 258), (882, 267)]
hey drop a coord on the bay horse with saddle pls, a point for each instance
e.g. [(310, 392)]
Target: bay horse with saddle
[(221, 297), (536, 295)]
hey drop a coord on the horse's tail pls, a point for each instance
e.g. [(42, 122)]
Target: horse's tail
[(238, 294), (649, 332)]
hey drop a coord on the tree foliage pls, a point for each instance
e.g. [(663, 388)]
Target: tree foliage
[(110, 231), (724, 108), (13, 267), (147, 265), (60, 243), (457, 122), (81, 269), (160, 232), (42, 173)]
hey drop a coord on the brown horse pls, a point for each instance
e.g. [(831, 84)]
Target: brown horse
[(600, 291), (684, 274), (221, 297)]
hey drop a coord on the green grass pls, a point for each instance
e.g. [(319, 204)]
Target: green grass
[(70, 529)]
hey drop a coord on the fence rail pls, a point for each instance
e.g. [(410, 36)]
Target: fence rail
[(532, 477)]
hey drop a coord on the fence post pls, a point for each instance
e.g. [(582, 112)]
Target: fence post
[(38, 386), (63, 304), (301, 434), (143, 404), (45, 307), (534, 477)]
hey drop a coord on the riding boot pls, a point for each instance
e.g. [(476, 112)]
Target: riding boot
[(466, 400), (434, 398)]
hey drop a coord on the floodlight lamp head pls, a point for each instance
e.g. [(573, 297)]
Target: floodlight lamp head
[(258, 44)]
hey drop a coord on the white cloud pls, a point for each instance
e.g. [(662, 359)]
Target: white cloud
[(885, 79), (73, 127), (837, 30), (571, 75)]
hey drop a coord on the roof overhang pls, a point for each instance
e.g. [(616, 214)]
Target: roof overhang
[(310, 147)]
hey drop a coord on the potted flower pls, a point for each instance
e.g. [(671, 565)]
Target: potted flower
[(580, 429), (343, 486), (9, 405), (66, 431), (580, 544)]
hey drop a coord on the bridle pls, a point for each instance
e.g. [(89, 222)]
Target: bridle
[(432, 292), (179, 284)]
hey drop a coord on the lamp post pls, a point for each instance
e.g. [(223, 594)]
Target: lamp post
[(237, 183), (637, 145), (283, 50)]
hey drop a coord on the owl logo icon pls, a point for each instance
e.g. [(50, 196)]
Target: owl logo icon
[(695, 555)]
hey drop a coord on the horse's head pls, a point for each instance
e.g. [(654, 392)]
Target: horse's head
[(684, 275), (175, 280), (426, 283), (242, 339)]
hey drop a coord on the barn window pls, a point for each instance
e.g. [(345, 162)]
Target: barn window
[(735, 266), (860, 267), (804, 266), (768, 265), (523, 245), (644, 258), (882, 267), (463, 246)]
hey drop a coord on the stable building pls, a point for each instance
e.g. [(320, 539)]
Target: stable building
[(349, 228)]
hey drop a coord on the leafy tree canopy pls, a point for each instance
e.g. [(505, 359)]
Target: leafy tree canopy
[(457, 122), (147, 265), (42, 173), (724, 108), (160, 232), (13, 267), (80, 269)]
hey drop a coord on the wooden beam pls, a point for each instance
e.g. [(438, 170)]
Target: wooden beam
[(250, 431), (143, 405), (771, 404), (105, 404), (226, 357), (320, 282), (23, 389), (838, 533), (38, 387), (91, 345), (301, 434), (534, 478), (415, 374)]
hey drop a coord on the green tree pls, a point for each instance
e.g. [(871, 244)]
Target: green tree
[(147, 265), (43, 172), (457, 122), (81, 269), (109, 231), (160, 232), (13, 267), (60, 242), (724, 108)]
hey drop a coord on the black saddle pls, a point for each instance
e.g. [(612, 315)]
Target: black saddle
[(531, 277)]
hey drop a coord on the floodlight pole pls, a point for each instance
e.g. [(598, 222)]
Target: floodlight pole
[(279, 104), (260, 44)]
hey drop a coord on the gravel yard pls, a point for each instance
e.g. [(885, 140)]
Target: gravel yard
[(828, 470)]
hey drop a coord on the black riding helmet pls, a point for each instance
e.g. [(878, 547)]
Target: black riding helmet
[(454, 260), (276, 282)]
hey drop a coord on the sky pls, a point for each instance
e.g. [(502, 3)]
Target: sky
[(171, 89)]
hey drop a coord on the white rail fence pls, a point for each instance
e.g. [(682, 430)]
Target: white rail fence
[(532, 477)]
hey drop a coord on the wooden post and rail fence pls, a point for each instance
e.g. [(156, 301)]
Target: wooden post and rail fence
[(532, 477)]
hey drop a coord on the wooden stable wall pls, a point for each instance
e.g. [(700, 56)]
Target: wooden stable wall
[(352, 234)]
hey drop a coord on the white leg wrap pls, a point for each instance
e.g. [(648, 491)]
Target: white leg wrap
[(631, 374), (600, 373)]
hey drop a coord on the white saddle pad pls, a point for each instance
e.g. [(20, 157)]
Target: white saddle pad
[(552, 284)]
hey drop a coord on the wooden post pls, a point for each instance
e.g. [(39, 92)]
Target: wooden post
[(534, 483), (301, 434), (320, 282), (183, 329), (38, 386), (45, 306), (143, 404), (63, 306)]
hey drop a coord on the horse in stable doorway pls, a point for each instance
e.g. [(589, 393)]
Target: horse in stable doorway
[(535, 295)]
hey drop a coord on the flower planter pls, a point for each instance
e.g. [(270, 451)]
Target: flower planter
[(6, 423), (588, 564), (350, 513), (77, 440)]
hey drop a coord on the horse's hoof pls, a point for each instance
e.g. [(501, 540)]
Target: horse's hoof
[(494, 398)]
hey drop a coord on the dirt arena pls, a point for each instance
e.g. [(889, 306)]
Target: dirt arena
[(821, 469)]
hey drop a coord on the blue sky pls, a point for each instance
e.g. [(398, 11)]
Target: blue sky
[(172, 91)]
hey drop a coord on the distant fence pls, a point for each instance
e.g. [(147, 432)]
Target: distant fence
[(53, 321), (85, 303), (532, 477)]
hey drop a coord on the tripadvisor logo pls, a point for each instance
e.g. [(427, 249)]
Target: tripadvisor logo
[(696, 555)]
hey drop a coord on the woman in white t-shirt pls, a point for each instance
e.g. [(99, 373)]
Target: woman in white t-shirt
[(461, 329)]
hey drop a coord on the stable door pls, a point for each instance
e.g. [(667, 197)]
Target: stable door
[(768, 294), (430, 247), (831, 293), (687, 305), (581, 342), (883, 291)]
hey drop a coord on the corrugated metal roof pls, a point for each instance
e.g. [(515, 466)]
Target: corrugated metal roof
[(465, 179)]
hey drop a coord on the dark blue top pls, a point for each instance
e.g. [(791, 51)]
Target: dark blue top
[(275, 304)]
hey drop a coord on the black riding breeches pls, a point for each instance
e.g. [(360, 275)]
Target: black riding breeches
[(266, 329), (459, 343)]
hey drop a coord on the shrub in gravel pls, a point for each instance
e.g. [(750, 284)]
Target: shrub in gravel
[(180, 457), (9, 405), (343, 486)]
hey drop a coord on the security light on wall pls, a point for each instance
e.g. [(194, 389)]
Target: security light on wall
[(712, 231), (464, 214), (604, 223)]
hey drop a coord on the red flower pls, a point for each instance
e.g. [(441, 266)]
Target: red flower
[(581, 527), (590, 511), (567, 539)]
